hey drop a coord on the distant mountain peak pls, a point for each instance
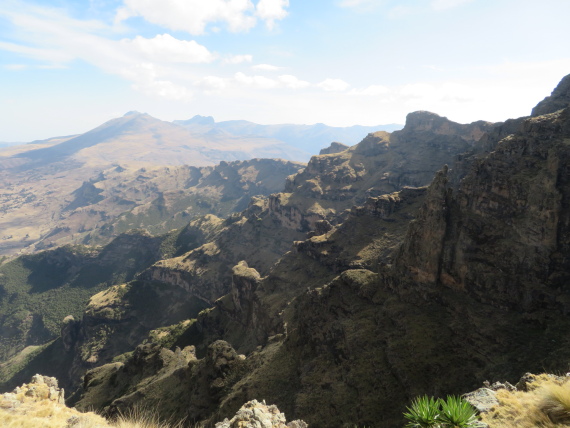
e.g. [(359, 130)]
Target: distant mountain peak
[(202, 120), (133, 113)]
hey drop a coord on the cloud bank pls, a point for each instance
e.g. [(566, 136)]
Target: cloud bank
[(193, 16)]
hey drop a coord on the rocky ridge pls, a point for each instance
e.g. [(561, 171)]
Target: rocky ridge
[(559, 99)]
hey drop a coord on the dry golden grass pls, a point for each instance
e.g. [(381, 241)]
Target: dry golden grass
[(48, 414), (143, 419), (555, 402), (545, 405)]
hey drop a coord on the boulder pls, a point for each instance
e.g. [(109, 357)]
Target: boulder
[(255, 414)]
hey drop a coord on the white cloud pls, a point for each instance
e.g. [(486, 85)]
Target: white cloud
[(146, 79), (447, 4), (42, 54), (418, 91), (456, 93), (216, 84), (212, 83), (255, 81), (355, 3), (266, 67), (193, 16), (292, 82), (164, 47), (238, 59), (271, 11), (372, 90), (58, 39), (333, 85), (166, 89)]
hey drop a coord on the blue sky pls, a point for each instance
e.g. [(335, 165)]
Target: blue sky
[(66, 66)]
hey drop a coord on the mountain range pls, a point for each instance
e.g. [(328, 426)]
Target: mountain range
[(59, 190), (421, 261), (308, 138)]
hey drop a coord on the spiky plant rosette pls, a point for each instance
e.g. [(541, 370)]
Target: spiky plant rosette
[(456, 413), (423, 413)]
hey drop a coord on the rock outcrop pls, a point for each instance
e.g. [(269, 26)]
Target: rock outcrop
[(40, 403), (254, 414), (335, 147), (559, 99)]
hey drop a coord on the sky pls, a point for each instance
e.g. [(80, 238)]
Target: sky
[(66, 66)]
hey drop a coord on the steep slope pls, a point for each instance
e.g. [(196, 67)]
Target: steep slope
[(514, 203), (263, 232)]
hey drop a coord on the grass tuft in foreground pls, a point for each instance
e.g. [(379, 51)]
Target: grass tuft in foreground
[(137, 418), (545, 404)]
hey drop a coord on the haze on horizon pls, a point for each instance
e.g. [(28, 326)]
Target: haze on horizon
[(68, 66)]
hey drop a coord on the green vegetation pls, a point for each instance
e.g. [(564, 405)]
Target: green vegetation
[(158, 218), (428, 412), (38, 291), (49, 359), (456, 412), (168, 336), (424, 413)]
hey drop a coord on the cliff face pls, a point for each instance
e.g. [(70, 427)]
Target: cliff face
[(335, 147), (514, 203)]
